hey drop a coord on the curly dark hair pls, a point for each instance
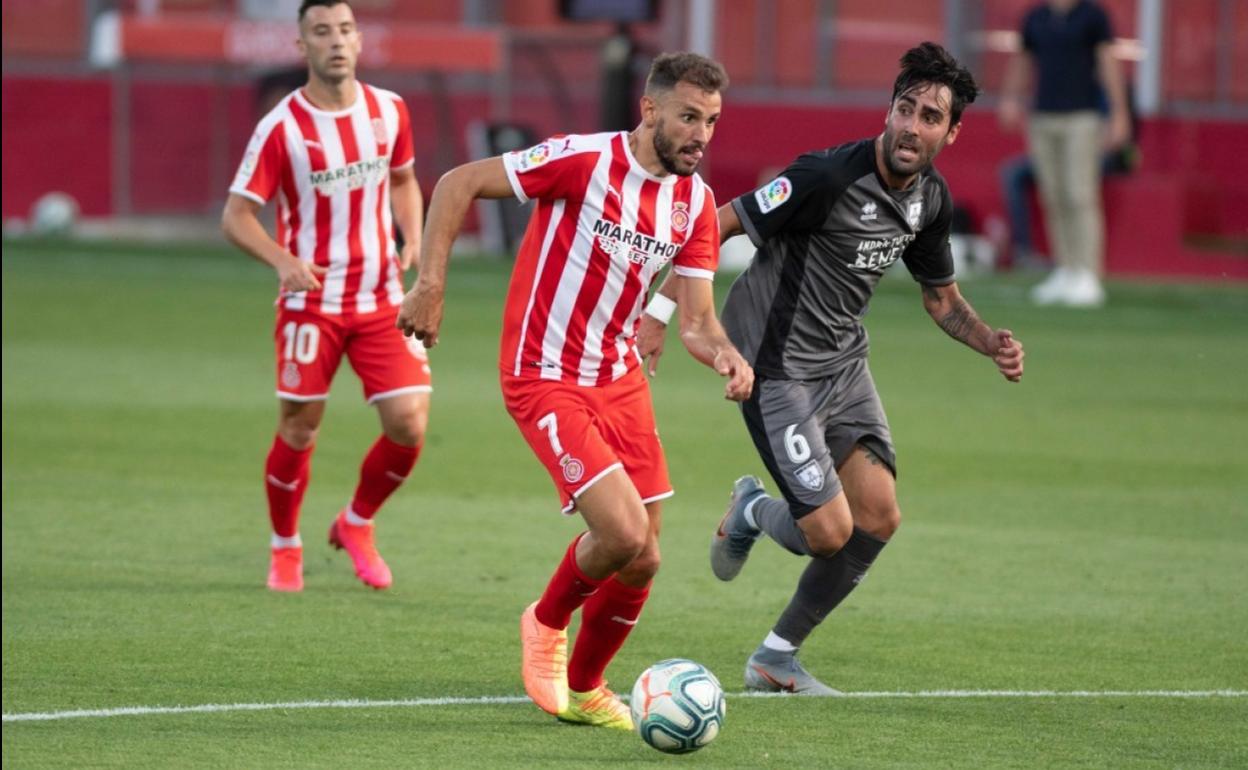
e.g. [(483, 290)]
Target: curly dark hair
[(669, 69), (928, 63)]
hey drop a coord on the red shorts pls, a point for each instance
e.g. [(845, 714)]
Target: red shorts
[(583, 433), (311, 345)]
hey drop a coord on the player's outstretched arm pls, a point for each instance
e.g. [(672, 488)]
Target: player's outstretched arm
[(704, 337), (956, 316), (409, 212), (420, 315), (652, 329), (241, 224), (654, 322)]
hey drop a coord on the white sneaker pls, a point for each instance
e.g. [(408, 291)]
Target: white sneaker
[(1052, 290), (1083, 290)]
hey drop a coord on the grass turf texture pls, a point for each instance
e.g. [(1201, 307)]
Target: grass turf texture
[(1085, 530)]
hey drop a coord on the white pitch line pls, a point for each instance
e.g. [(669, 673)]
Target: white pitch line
[(494, 700)]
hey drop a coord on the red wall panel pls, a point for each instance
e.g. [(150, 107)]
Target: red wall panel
[(57, 136)]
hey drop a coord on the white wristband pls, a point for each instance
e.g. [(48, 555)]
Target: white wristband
[(661, 308)]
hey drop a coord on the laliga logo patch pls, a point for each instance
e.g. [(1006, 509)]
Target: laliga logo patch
[(535, 156), (573, 469), (290, 375), (773, 195), (379, 130), (680, 216)]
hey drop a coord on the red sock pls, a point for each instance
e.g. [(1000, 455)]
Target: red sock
[(567, 590), (286, 474), (383, 470), (608, 618)]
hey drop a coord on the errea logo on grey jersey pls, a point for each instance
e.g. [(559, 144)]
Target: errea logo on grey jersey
[(878, 254)]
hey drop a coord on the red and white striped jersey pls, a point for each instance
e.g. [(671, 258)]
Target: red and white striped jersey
[(331, 174), (603, 229)]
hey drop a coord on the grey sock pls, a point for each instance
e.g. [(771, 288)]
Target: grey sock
[(825, 582), (773, 517)]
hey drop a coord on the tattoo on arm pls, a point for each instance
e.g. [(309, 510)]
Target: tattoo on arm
[(960, 321), (872, 456)]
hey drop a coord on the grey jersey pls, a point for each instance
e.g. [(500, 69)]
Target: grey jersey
[(826, 229)]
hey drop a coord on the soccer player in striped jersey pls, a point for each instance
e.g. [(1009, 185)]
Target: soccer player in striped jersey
[(612, 210), (337, 155)]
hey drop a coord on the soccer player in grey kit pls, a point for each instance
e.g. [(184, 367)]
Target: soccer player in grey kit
[(826, 229)]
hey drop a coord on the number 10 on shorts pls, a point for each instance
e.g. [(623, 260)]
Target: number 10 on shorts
[(301, 342)]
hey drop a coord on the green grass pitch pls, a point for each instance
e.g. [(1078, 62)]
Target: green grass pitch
[(1085, 531)]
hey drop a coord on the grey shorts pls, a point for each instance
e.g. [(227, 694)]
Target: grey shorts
[(805, 429)]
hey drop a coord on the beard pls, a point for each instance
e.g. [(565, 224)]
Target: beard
[(923, 156), (668, 152)]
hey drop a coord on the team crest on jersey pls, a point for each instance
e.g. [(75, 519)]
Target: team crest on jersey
[(573, 469), (680, 216), (379, 130), (915, 213), (774, 194), (290, 375), (810, 476)]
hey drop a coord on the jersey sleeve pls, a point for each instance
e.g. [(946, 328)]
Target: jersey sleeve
[(1099, 29), (555, 169), (404, 154), (699, 256), (260, 172), (928, 257), (799, 199)]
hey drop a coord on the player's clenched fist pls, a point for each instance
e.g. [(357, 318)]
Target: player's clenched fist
[(1009, 355), (420, 314), (740, 374)]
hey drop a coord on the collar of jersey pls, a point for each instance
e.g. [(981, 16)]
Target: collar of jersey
[(310, 107), (640, 169)]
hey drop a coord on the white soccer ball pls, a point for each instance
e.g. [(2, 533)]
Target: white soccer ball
[(54, 214), (677, 705)]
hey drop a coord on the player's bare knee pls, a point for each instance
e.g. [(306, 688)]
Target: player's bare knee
[(297, 433), (642, 569), (882, 524), (826, 533)]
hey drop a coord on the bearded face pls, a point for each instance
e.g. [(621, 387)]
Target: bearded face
[(677, 157)]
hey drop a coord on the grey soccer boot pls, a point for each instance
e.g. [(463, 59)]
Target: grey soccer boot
[(734, 537), (770, 670)]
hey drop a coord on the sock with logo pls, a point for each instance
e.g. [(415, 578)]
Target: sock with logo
[(608, 618), (384, 468), (286, 474), (825, 582), (771, 515), (567, 590)]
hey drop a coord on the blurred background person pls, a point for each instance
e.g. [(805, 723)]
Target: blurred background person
[(1068, 46)]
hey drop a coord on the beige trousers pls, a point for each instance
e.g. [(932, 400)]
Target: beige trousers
[(1066, 152)]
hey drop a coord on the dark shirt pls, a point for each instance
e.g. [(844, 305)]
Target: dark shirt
[(826, 230), (1063, 46)]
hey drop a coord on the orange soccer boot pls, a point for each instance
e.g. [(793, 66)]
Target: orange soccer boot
[(544, 662), (357, 541), (286, 569)]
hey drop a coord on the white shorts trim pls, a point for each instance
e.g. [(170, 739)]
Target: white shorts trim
[(302, 399), (656, 498), (399, 392), (571, 506)]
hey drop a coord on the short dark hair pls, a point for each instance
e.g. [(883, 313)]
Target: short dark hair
[(306, 4), (669, 69), (929, 63)]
